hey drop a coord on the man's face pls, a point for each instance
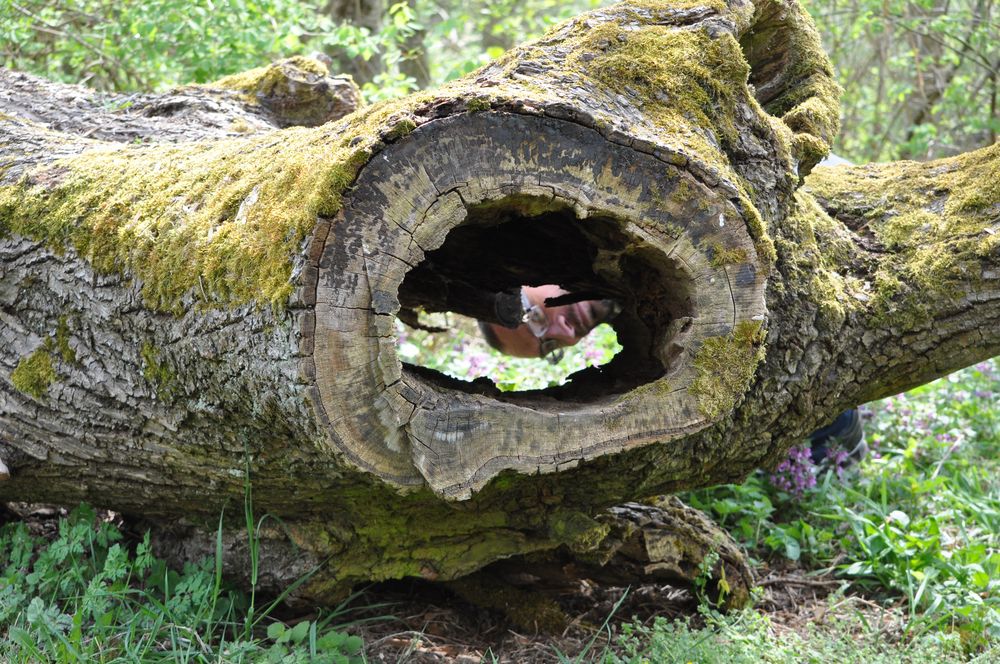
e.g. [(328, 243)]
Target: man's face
[(565, 325)]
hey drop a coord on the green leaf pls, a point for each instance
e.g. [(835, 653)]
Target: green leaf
[(275, 630), (792, 548), (299, 632)]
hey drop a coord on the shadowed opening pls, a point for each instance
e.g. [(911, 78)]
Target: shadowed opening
[(528, 241)]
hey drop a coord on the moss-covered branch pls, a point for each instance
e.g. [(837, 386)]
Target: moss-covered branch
[(932, 227), (907, 256)]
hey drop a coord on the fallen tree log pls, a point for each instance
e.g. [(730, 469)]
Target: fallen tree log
[(186, 322)]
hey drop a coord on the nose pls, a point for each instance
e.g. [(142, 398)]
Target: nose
[(561, 330)]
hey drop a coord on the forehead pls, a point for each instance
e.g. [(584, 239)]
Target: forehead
[(519, 342)]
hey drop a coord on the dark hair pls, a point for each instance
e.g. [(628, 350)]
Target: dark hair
[(490, 336)]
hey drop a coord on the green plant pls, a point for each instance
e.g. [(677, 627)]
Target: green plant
[(88, 596), (303, 643), (749, 637), (919, 519)]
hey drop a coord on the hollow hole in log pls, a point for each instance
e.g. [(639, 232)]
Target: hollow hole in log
[(504, 245)]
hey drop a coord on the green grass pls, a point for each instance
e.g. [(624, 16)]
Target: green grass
[(750, 637)]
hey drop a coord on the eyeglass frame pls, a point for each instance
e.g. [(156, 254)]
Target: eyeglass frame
[(538, 323)]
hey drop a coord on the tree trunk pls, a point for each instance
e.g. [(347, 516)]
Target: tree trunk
[(367, 14), (184, 325)]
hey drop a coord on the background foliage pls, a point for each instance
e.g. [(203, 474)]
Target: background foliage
[(921, 77)]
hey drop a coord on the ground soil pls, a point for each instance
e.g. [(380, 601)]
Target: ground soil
[(431, 624)]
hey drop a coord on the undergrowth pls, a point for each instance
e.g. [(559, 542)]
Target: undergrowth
[(87, 596), (915, 527), (750, 637)]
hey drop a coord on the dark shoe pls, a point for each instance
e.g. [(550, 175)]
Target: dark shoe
[(841, 443)]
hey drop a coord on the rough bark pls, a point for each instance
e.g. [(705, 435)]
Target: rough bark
[(296, 91), (184, 325), (661, 541)]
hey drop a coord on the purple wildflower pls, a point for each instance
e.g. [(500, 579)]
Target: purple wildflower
[(987, 370), (839, 461), (477, 365), (796, 474)]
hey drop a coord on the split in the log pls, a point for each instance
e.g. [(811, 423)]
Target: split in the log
[(660, 541)]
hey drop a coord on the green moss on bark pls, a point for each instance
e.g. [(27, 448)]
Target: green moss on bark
[(220, 219), (722, 256), (34, 374), (688, 84), (725, 366), (156, 372), (809, 102), (936, 221), (62, 341), (577, 530), (270, 80), (818, 253), (684, 80), (478, 105)]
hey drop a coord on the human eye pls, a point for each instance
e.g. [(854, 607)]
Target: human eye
[(536, 321)]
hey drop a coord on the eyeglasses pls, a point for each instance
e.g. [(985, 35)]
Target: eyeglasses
[(534, 317)]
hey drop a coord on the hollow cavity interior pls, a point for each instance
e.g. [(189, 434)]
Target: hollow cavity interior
[(520, 241)]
